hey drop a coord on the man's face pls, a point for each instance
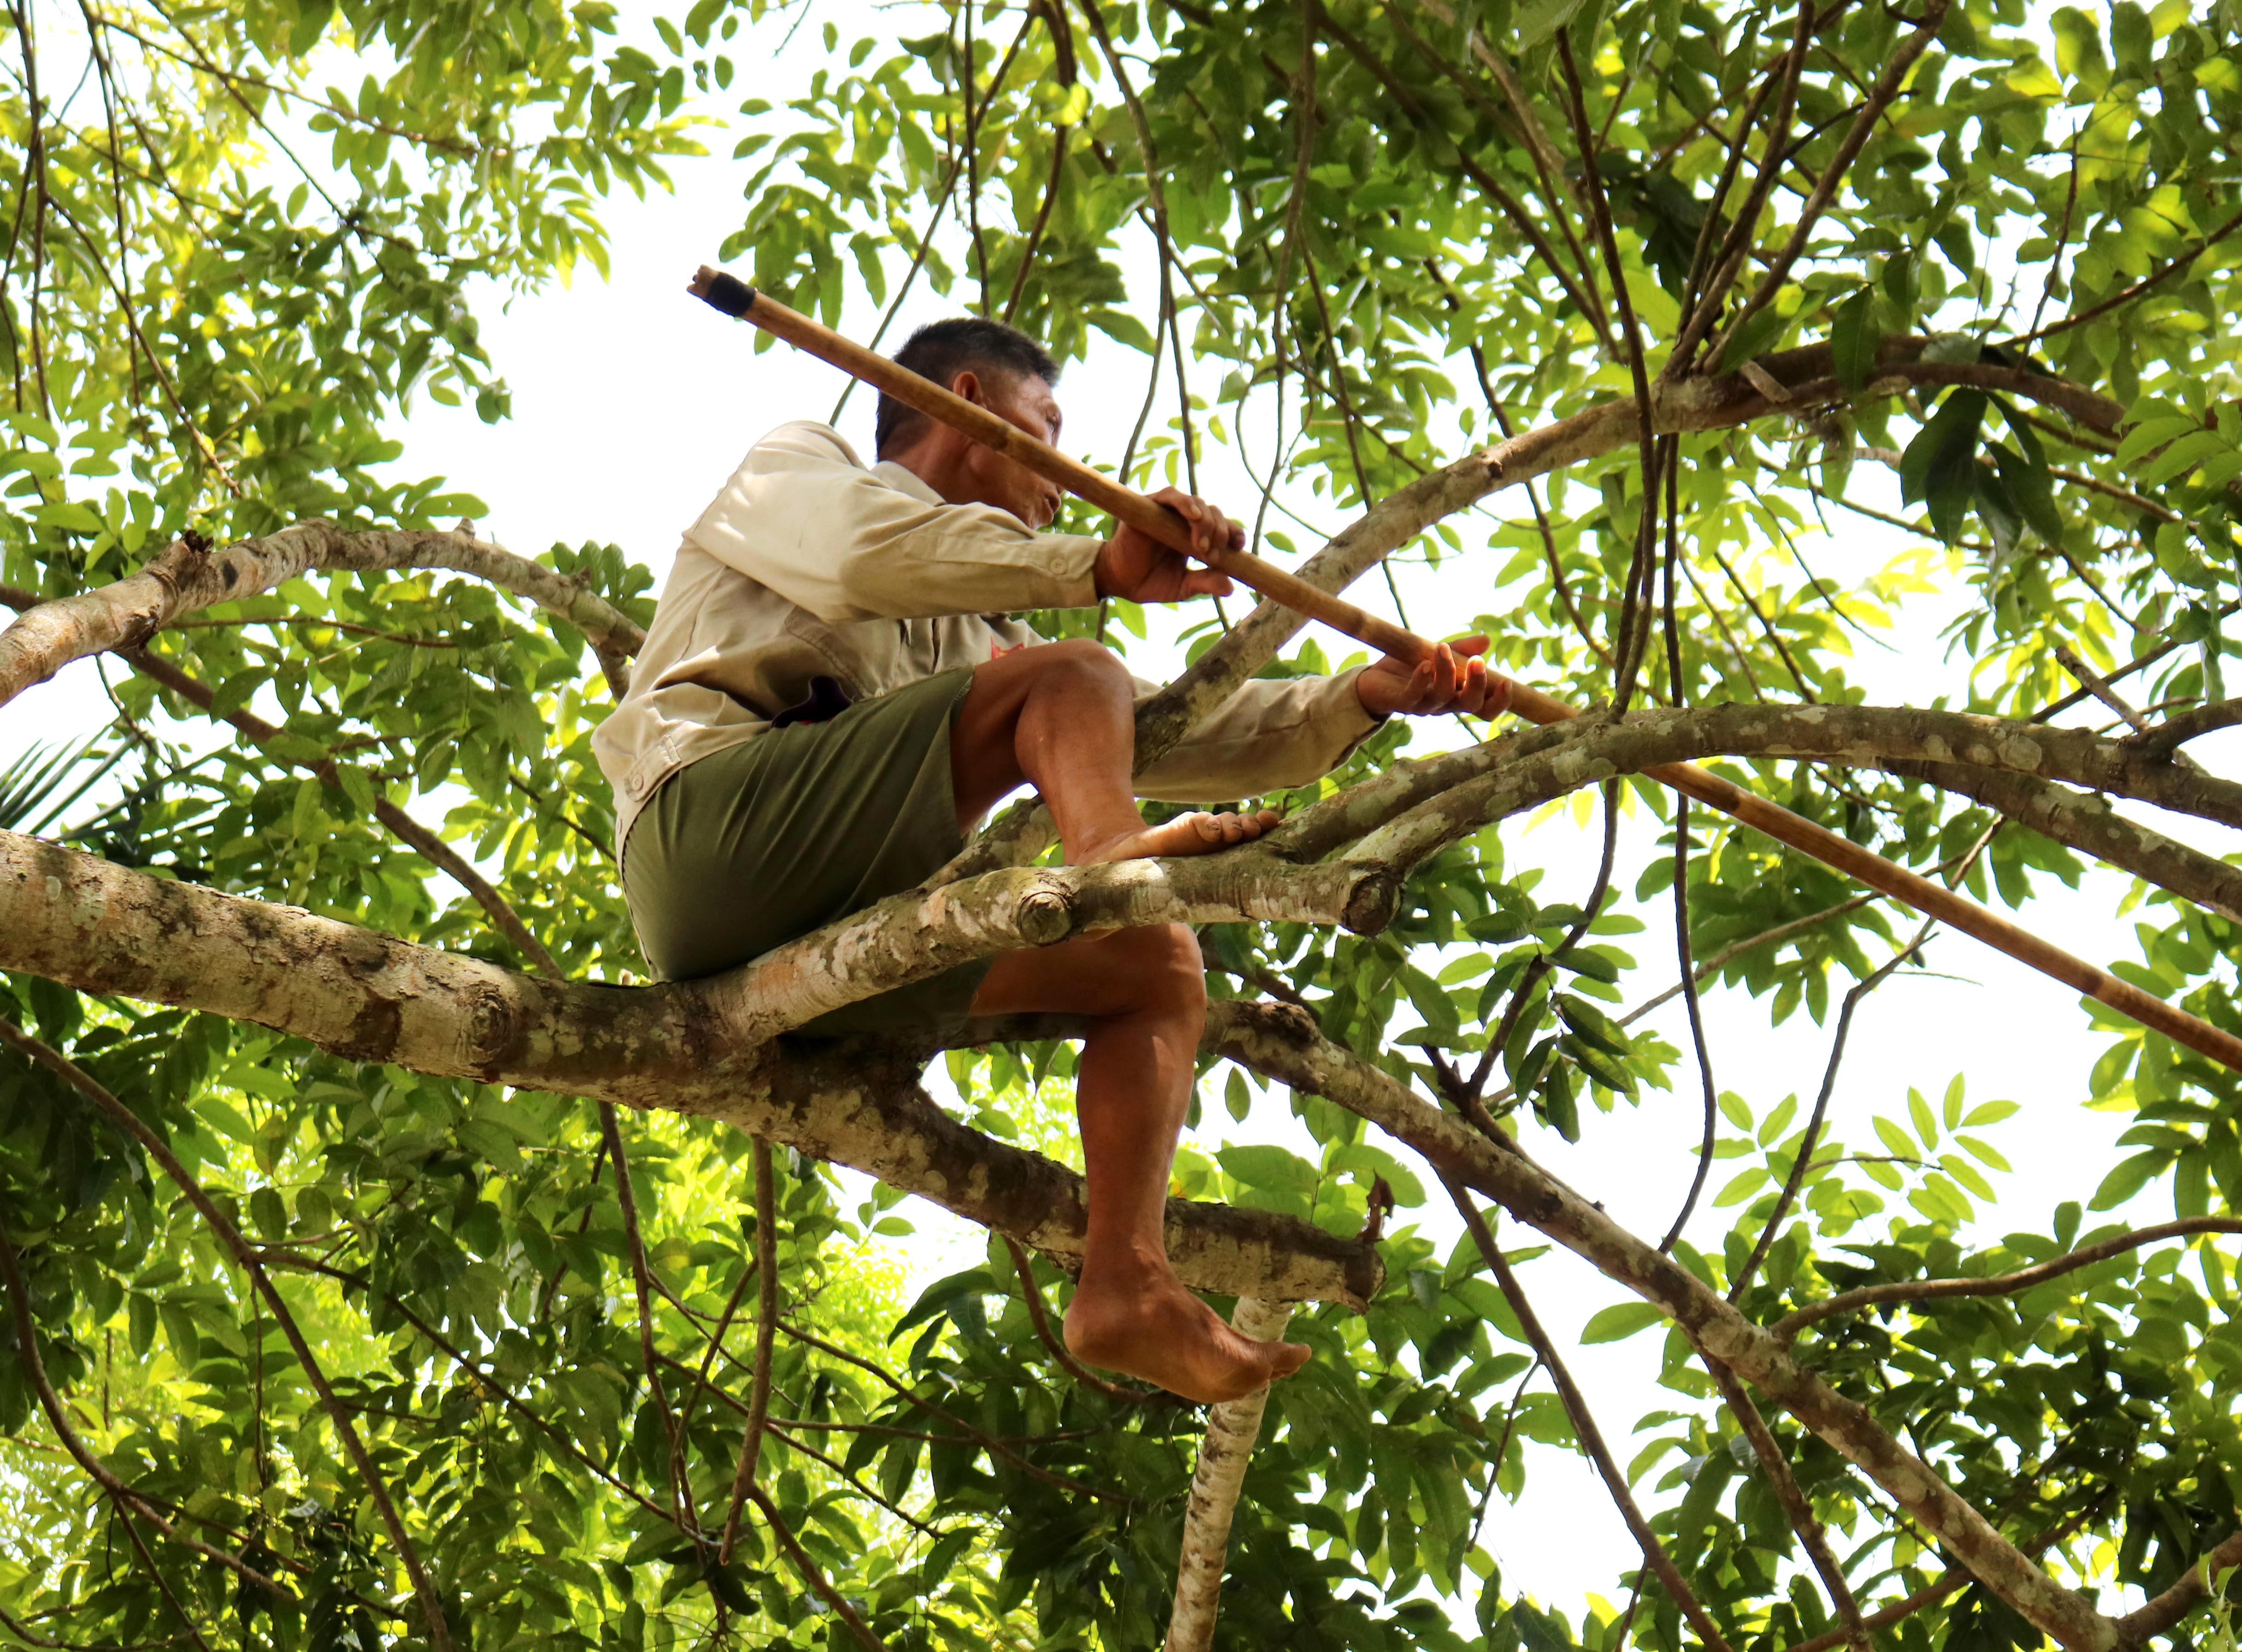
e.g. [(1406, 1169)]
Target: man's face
[(1026, 400)]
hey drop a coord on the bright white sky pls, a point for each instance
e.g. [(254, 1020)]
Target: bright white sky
[(633, 402)]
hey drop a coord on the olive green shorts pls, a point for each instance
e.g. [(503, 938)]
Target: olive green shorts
[(748, 848)]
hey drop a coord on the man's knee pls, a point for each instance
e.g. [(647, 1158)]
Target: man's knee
[(1079, 661), (1164, 965)]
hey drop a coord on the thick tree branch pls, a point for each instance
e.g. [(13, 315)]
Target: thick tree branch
[(99, 926), (189, 575), (1806, 375)]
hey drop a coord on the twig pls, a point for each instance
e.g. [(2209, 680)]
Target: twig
[(1799, 1165), (780, 1430), (1872, 109), (1766, 624), (813, 1576), (313, 619), (2139, 662), (989, 1442), (715, 1341), (627, 1198), (57, 1415), (2163, 739), (276, 1256), (1584, 1424), (438, 853), (973, 112), (1741, 233), (1689, 988), (1811, 1534), (1589, 302), (1043, 217), (1625, 645), (2001, 1285), (2092, 683), (338, 109), (751, 1446), (2163, 272)]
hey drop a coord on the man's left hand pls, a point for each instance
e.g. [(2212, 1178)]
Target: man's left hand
[(1455, 679)]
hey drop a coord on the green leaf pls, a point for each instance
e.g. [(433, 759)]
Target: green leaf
[(1620, 1321), (1594, 1026), (1926, 1127), (2129, 1178), (1603, 1068), (68, 514), (1265, 1167), (1853, 340), (1939, 464), (1537, 21), (1122, 328)]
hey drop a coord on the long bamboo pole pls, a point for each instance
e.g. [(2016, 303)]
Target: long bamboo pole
[(734, 298)]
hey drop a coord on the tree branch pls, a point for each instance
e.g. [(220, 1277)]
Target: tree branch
[(1231, 1428), (1811, 1534), (189, 575), (2175, 1603), (1911, 1290), (1283, 1043), (1031, 1295), (751, 1445), (813, 1576), (121, 1494), (1584, 1424), (86, 923)]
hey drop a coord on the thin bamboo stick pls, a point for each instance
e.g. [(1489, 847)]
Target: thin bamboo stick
[(734, 298)]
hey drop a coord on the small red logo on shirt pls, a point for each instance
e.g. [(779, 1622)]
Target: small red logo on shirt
[(998, 651)]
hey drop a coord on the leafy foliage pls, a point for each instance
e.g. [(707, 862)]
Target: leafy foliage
[(223, 277)]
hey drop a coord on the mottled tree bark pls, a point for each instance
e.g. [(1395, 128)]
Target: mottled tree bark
[(1223, 1451), (189, 575), (101, 928)]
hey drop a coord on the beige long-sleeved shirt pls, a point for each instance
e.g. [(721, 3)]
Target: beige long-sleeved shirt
[(810, 565)]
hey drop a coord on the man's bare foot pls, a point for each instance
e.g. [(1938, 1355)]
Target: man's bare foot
[(1196, 834), (1155, 1329)]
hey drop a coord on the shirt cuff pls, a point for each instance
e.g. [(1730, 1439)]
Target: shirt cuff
[(1357, 718), (1073, 562)]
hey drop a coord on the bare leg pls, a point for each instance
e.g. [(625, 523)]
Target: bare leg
[(1147, 990), (1062, 717)]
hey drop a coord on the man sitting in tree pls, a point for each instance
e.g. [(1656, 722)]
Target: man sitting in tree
[(830, 697)]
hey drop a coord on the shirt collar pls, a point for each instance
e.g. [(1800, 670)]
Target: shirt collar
[(907, 481)]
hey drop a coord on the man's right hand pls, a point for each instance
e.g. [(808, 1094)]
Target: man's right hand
[(1136, 566)]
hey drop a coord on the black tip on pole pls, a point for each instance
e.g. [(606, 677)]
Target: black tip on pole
[(721, 291)]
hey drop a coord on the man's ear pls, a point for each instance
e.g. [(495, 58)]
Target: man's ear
[(967, 383)]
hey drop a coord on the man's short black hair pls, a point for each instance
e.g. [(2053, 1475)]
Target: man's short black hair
[(941, 350)]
